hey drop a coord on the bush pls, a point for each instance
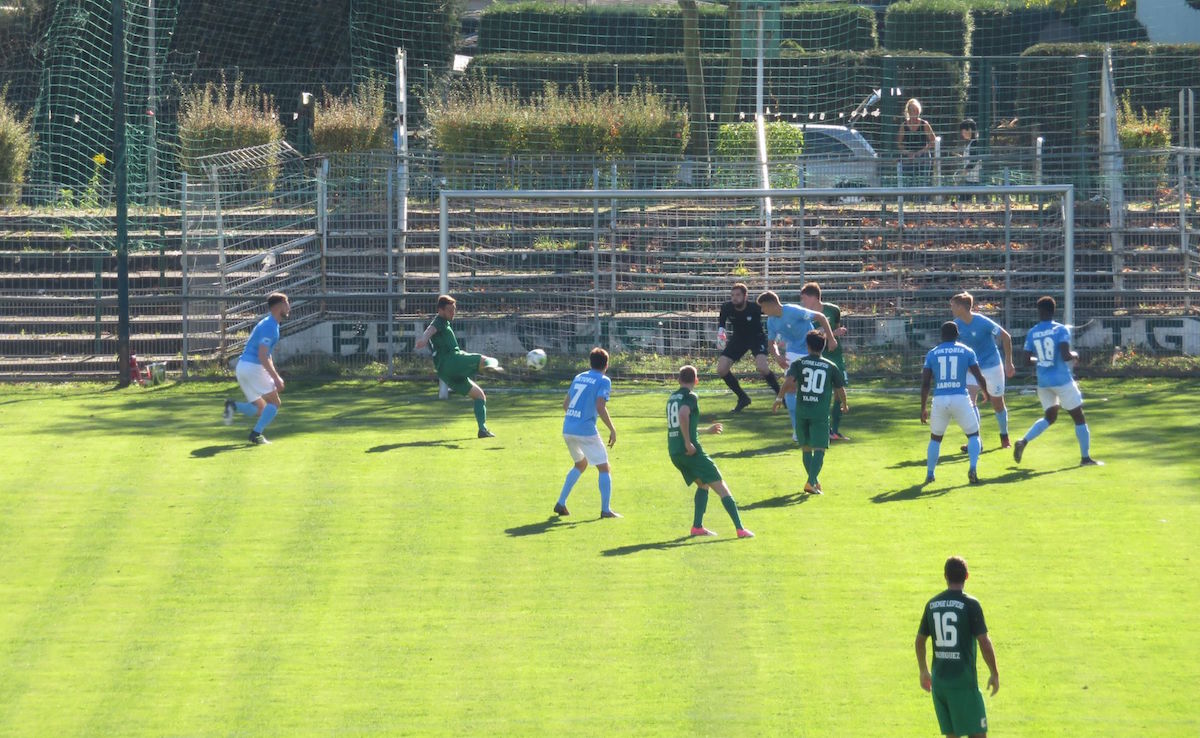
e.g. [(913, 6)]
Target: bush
[(353, 122), (224, 117), (16, 148), (1006, 27), (832, 27), (942, 26), (1138, 130), (737, 153)]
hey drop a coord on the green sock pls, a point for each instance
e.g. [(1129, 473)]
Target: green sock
[(808, 457), (481, 414), (835, 418), (701, 506), (817, 462), (731, 508)]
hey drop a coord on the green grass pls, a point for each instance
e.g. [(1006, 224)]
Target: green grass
[(379, 571)]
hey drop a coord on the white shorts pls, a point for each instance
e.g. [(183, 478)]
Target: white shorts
[(994, 376), (1068, 395), (586, 447), (952, 407), (254, 379), (792, 357)]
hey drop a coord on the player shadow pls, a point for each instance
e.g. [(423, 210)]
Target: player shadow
[(795, 498), (554, 522), (207, 452), (413, 444), (923, 491), (775, 448), (680, 542)]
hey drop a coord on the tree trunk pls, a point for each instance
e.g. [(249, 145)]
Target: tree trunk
[(695, 79), (733, 66)]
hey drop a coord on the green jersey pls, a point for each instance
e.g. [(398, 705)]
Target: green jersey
[(443, 343), (682, 397), (954, 620), (816, 378), (834, 314)]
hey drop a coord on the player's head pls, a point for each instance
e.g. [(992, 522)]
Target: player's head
[(956, 570), (949, 331), (912, 108), (446, 306), (962, 304), (277, 305), (810, 296), (1046, 307), (967, 130), (815, 341), (737, 295), (770, 304), (598, 359), (687, 376)]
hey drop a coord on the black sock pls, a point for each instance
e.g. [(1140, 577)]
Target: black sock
[(732, 380), (772, 382)]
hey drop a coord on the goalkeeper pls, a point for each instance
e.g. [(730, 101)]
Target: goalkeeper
[(741, 329)]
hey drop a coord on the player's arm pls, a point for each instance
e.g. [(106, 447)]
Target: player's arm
[(789, 386), (1010, 369), (264, 358), (1064, 350), (839, 393), (919, 647), (778, 355), (974, 369), (566, 400), (841, 329), (423, 340), (824, 323), (926, 384), (602, 413), (685, 429), (726, 310), (989, 657)]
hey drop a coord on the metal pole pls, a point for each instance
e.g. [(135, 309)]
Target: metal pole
[(937, 161), (323, 225), (402, 152), (803, 229), (758, 86), (121, 187), (1007, 253), (612, 235), (596, 254), (1069, 256), (391, 272), (152, 110), (216, 186), (443, 244), (1037, 160), (1183, 239), (183, 263)]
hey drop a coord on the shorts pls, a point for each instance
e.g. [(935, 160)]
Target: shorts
[(1068, 395), (959, 710), (586, 447), (952, 407), (457, 370), (254, 379), (696, 467), (812, 432), (737, 348), (993, 375)]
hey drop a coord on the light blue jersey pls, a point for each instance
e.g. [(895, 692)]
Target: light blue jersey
[(950, 362), (266, 333), (1042, 341), (980, 335), (580, 419), (792, 327)]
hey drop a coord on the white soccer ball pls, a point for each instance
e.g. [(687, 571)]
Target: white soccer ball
[(536, 359)]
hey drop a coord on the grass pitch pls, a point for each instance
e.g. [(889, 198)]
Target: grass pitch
[(379, 571)]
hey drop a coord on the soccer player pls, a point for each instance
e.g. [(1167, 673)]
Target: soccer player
[(740, 329), (950, 361), (683, 444), (810, 298), (256, 373), (955, 621), (1049, 346), (586, 400), (979, 333), (818, 380), (787, 326), (454, 366)]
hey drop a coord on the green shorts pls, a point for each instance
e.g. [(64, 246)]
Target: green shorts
[(812, 432), (457, 371), (959, 710), (696, 467)]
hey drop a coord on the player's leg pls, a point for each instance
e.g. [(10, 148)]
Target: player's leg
[(973, 397), (1073, 399), (968, 716), (942, 709), (731, 507), (763, 364), (255, 382), (996, 388), (807, 456), (581, 464), (835, 412), (476, 393), (606, 510), (818, 441), (724, 364), (966, 414), (1049, 400), (269, 410), (939, 421), (790, 399), (701, 505)]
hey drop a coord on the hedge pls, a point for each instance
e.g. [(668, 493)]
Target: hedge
[(216, 118), (820, 27), (16, 148), (940, 26), (737, 146)]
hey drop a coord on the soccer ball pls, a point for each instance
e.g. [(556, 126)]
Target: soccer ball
[(536, 359)]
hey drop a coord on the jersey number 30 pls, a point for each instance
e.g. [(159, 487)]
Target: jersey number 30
[(814, 381)]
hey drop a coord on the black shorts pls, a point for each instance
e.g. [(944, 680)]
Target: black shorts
[(738, 347)]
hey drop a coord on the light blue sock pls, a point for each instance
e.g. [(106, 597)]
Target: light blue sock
[(572, 477), (790, 401), (1002, 421), (1036, 429), (1085, 439), (246, 408), (931, 456), (268, 414), (605, 491), (973, 449)]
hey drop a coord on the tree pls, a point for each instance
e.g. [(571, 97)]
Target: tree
[(695, 78)]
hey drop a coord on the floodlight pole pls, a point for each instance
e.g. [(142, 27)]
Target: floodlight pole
[(121, 189)]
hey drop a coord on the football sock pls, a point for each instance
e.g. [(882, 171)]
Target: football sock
[(731, 508), (817, 462), (1085, 439), (772, 382), (268, 414), (931, 456), (605, 491), (572, 477), (481, 414), (701, 506), (808, 459), (790, 401), (732, 382), (835, 417), (1036, 429), (247, 408), (1002, 421), (973, 449)]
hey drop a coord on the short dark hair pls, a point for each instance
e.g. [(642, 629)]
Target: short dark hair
[(956, 570), (1046, 307), (598, 358), (811, 288), (968, 124), (275, 298), (444, 300), (815, 340), (739, 286), (949, 330), (687, 374), (768, 298)]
